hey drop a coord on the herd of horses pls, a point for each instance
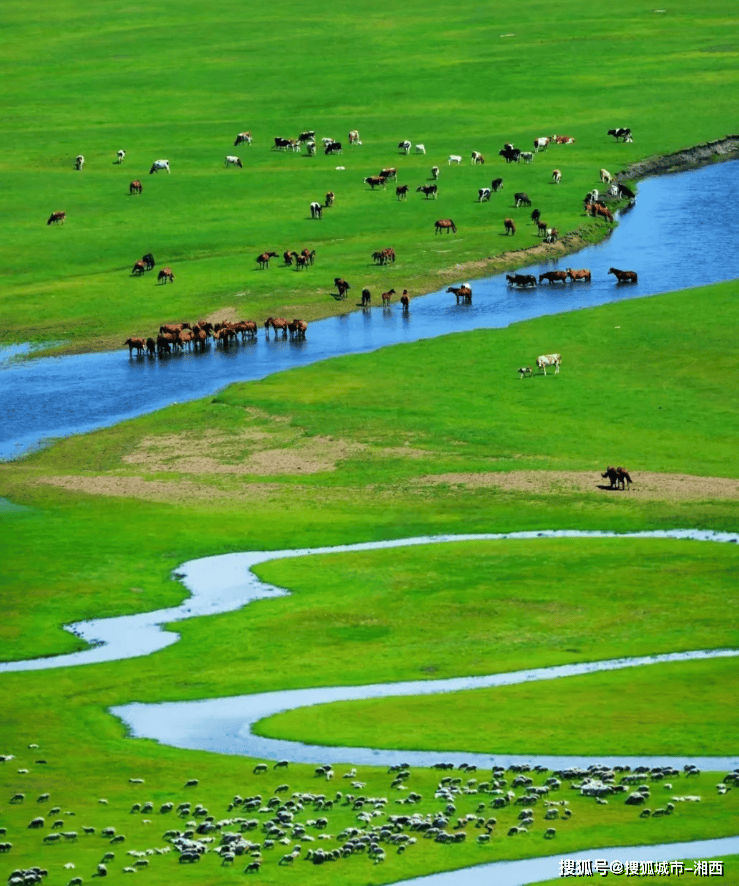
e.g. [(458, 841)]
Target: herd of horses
[(176, 337), (580, 276)]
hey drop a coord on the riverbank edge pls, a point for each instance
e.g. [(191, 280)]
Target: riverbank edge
[(686, 159)]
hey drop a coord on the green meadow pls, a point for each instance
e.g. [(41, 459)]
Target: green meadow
[(435, 437)]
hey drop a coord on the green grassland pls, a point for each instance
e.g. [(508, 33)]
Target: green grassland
[(180, 80), (362, 448)]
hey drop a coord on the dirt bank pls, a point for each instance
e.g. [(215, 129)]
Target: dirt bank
[(726, 148)]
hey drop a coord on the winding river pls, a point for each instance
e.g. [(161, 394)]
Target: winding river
[(673, 237)]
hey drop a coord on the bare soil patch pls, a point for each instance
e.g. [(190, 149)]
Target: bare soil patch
[(648, 485)]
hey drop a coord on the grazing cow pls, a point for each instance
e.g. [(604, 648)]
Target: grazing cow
[(496, 184), (541, 228), (521, 279), (139, 268), (333, 148), (477, 158), (329, 199), (444, 224), (121, 155), (386, 296), (551, 235), (342, 286), (527, 156), (401, 192), (462, 293), (311, 148), (354, 137), (243, 137), (511, 154), (366, 297), (591, 197), (165, 276), (405, 301), (307, 136), (135, 187), (541, 144), (521, 199), (148, 260), (281, 144), (483, 195), (621, 133), (582, 276), (138, 343), (563, 139), (524, 371), (79, 161), (327, 140), (390, 173), (556, 176), (598, 209), (624, 276), (316, 210), (549, 360), (56, 217), (405, 146), (263, 259), (509, 225), (375, 181), (624, 191), (553, 277), (278, 324), (606, 177), (420, 149), (233, 161), (454, 158), (535, 216), (428, 190), (159, 164), (434, 172)]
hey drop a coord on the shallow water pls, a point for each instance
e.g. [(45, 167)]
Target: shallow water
[(673, 237)]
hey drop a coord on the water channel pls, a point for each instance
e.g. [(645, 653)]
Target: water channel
[(674, 237)]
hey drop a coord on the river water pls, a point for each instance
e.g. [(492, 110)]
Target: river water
[(675, 237)]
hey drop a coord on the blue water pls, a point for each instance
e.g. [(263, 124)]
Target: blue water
[(674, 238)]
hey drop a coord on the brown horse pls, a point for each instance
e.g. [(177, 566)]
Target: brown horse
[(342, 286), (138, 343), (139, 268), (405, 301), (624, 276), (166, 275), (277, 323), (445, 224), (463, 293), (135, 187), (386, 296), (56, 217), (263, 259)]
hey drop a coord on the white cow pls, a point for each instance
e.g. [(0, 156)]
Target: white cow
[(121, 156), (159, 164), (606, 177), (549, 360), (454, 158), (420, 149), (79, 161), (233, 161), (527, 156), (316, 210)]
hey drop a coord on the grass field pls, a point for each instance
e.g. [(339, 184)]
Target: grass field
[(89, 79), (428, 438)]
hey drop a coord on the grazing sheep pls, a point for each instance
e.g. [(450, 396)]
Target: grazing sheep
[(549, 833), (260, 768), (17, 798), (192, 783)]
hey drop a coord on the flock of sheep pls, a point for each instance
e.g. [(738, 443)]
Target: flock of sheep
[(280, 825)]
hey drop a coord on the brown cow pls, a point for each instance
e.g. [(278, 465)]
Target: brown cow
[(166, 275), (56, 217), (135, 187), (509, 225), (375, 181)]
